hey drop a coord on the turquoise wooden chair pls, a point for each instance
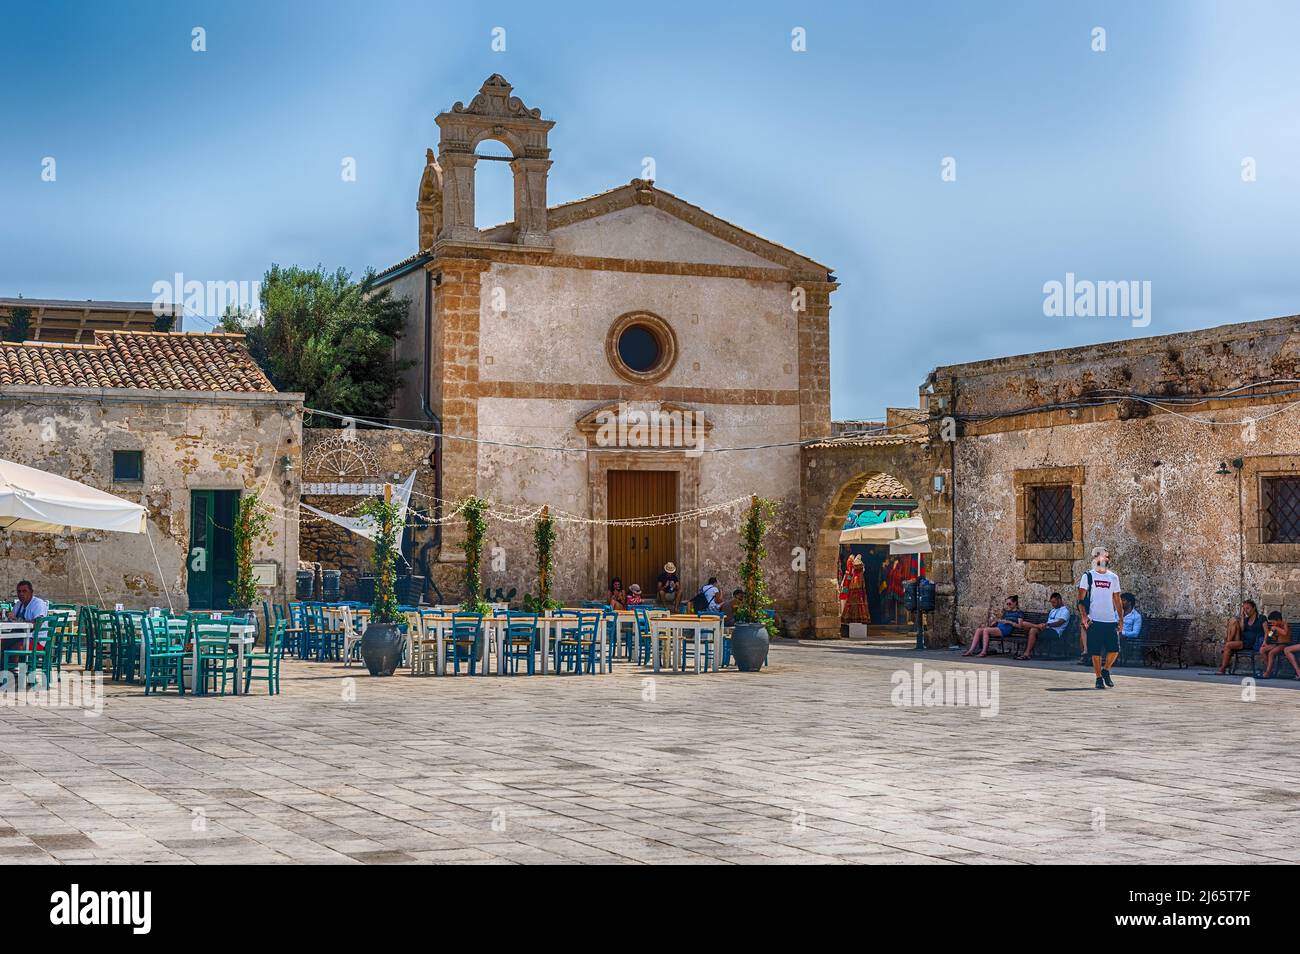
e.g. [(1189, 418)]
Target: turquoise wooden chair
[(265, 666), (218, 656), (71, 642), (130, 636), (165, 658)]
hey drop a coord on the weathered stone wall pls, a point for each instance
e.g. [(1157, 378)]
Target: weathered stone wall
[(387, 456), (190, 441), (1184, 538)]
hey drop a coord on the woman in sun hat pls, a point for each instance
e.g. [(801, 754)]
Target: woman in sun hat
[(634, 595), (668, 587)]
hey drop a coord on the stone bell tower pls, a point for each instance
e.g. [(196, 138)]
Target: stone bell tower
[(447, 204)]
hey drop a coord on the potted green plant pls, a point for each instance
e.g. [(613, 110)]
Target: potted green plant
[(252, 522), (543, 545), (383, 641), (754, 628)]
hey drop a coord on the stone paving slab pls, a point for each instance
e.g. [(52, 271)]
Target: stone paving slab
[(808, 762)]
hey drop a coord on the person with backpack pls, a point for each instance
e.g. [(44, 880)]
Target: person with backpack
[(1100, 610), (706, 601)]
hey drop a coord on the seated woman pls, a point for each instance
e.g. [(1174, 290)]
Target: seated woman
[(634, 595), (1244, 632), (1004, 626), (617, 598), (1275, 642)]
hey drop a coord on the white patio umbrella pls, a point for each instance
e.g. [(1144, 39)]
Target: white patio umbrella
[(884, 532), (38, 502), (917, 544)]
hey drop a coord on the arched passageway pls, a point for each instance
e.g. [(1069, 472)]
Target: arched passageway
[(835, 471)]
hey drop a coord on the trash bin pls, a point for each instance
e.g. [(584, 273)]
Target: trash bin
[(303, 586), (330, 585)]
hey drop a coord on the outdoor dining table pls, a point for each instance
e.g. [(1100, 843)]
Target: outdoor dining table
[(495, 627), (241, 634), (14, 630), (674, 626)]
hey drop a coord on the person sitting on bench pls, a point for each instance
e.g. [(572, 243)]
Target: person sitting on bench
[(1277, 638), (1291, 650), (1057, 620), (1132, 624), (1011, 620), (1244, 632)]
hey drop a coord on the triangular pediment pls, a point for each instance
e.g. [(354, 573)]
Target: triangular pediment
[(639, 221)]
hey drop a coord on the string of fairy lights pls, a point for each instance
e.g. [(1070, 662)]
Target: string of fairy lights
[(451, 510)]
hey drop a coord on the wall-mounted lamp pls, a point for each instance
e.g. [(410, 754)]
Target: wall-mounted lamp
[(1223, 469), (286, 464)]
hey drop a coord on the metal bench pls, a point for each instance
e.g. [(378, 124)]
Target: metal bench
[(1160, 641), (1281, 668), (1049, 645)]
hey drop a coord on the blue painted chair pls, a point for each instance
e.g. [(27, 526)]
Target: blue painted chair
[(295, 630), (644, 638), (708, 639), (520, 641), (328, 638), (466, 640), (575, 647)]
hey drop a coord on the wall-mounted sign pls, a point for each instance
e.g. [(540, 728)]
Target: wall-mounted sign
[(344, 490), (266, 574)]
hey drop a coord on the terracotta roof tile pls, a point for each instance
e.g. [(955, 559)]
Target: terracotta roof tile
[(156, 361), (884, 487)]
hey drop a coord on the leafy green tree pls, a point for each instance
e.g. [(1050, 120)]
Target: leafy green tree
[(20, 325), (330, 337)]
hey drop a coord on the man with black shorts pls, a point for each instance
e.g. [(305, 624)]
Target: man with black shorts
[(1100, 611)]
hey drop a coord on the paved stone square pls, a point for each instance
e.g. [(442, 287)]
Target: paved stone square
[(807, 762)]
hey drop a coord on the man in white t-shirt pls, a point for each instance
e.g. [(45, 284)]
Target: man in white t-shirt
[(1057, 619), (1100, 611)]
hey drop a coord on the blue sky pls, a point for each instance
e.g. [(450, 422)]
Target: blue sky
[(1116, 165)]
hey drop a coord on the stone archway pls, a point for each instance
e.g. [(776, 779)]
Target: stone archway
[(834, 471)]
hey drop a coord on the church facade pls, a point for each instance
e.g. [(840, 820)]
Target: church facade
[(618, 357)]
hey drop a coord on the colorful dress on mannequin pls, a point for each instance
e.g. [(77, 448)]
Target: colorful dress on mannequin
[(855, 607)]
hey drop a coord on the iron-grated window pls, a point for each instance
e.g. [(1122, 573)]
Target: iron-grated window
[(1281, 506), (1049, 518)]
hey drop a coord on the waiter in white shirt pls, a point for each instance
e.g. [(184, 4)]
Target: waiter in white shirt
[(29, 607)]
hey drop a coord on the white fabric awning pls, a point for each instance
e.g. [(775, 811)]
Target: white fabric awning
[(884, 532), (38, 502), (365, 526), (917, 544)]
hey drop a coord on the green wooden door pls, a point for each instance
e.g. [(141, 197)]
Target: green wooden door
[(210, 566)]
